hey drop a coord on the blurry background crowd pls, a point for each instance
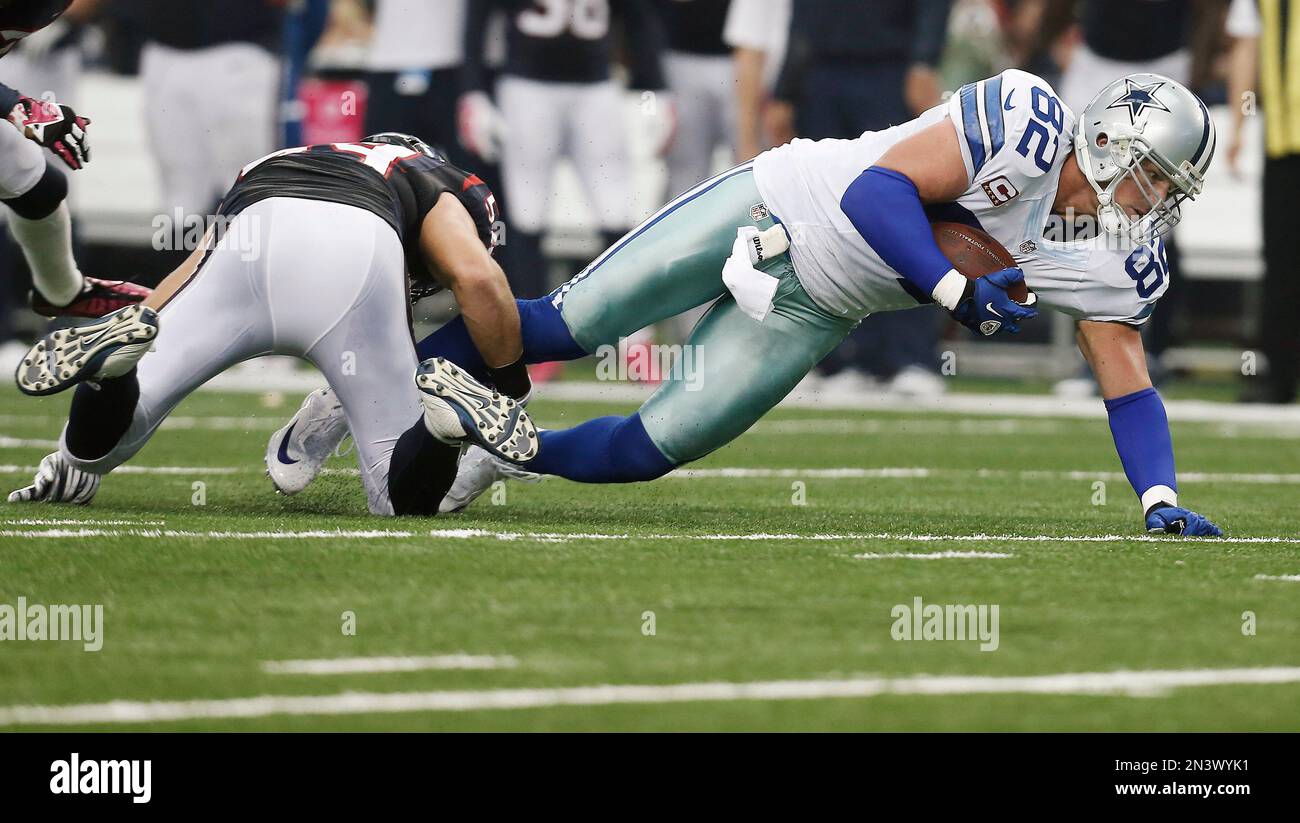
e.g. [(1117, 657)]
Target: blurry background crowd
[(586, 115)]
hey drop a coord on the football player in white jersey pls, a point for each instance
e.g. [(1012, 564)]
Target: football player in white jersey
[(795, 248)]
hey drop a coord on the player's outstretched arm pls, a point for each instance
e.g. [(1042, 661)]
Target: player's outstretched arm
[(456, 255), (885, 205), (1139, 425)]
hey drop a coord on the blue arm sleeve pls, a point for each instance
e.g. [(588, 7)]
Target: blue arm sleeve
[(885, 207), (1141, 430)]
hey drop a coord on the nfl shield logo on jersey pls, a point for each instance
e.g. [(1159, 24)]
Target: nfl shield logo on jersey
[(1000, 191)]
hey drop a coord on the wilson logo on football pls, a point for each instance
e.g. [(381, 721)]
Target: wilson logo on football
[(1000, 191)]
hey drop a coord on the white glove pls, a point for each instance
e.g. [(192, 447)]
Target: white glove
[(754, 290), (57, 481), (480, 125)]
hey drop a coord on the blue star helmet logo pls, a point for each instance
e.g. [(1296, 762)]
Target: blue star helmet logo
[(1137, 98)]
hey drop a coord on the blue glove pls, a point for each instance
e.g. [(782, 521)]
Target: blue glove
[(1176, 520), (986, 308)]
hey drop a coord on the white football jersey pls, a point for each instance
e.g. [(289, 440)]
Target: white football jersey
[(1015, 135)]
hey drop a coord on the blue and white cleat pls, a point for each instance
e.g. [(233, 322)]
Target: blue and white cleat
[(296, 453), (106, 348), (458, 408)]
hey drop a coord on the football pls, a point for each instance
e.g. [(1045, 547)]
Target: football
[(975, 253)]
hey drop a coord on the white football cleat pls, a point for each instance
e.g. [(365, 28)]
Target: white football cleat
[(478, 470), (458, 408), (108, 347), (296, 453), (58, 481)]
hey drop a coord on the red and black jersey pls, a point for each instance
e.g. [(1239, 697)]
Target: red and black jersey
[(398, 184)]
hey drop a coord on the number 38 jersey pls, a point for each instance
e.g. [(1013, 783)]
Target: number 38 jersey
[(398, 184), (1015, 136)]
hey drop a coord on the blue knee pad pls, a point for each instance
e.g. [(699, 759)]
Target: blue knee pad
[(604, 450)]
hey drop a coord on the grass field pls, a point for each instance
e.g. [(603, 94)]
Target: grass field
[(555, 584)]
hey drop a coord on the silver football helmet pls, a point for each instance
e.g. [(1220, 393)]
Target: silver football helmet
[(1136, 121)]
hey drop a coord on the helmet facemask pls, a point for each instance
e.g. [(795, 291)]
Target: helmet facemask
[(1132, 157)]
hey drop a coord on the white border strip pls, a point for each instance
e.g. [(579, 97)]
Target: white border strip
[(1119, 683), (1284, 578)]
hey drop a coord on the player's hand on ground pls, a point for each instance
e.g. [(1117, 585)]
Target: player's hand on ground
[(57, 481), (986, 308), (480, 126), (55, 127), (1177, 520)]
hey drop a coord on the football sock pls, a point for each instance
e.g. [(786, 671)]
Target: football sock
[(47, 245), (100, 415), (604, 450), (420, 472), (545, 335)]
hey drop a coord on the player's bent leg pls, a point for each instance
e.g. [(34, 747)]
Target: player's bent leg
[(208, 319), (604, 450), (733, 370), (357, 333), (670, 263), (736, 369)]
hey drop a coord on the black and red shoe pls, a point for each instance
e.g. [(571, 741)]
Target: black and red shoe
[(97, 298)]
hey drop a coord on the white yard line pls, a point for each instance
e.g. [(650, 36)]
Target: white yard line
[(377, 665), (177, 421), (9, 468), (54, 521), (1120, 683), (933, 556), (7, 442), (560, 537), (1285, 578)]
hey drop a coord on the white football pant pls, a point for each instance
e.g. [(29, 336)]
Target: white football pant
[(703, 88), (321, 281), (545, 122)]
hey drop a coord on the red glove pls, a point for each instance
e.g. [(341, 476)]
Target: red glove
[(57, 128)]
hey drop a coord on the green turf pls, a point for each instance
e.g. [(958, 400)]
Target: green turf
[(192, 617)]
